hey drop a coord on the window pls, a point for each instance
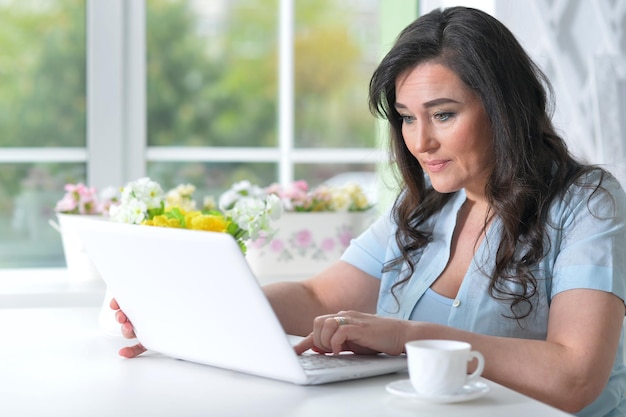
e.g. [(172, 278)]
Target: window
[(42, 122), (213, 83), (183, 91)]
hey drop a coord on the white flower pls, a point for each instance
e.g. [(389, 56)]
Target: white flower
[(132, 211), (340, 199), (181, 197), (273, 206), (137, 198), (240, 190), (246, 213), (208, 203), (109, 196), (254, 215), (145, 190), (110, 193)]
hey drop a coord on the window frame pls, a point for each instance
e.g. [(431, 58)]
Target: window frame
[(116, 148), (116, 98), (117, 133)]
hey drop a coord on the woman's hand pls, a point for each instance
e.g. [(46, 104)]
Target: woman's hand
[(127, 331), (356, 332)]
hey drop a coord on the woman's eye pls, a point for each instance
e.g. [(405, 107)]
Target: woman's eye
[(407, 119), (443, 116)]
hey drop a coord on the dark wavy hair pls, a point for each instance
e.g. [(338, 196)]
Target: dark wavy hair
[(532, 164)]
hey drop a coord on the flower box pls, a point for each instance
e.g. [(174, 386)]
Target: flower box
[(80, 268), (305, 244)]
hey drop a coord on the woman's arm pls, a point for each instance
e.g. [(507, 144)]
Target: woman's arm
[(571, 368), (568, 370), (339, 287)]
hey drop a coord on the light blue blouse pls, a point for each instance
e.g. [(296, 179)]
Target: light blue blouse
[(585, 251), (433, 308)]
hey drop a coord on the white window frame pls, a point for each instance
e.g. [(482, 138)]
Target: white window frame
[(116, 98), (117, 148)]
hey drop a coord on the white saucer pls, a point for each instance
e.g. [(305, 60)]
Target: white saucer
[(403, 388)]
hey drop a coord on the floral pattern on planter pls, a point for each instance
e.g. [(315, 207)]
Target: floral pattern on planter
[(305, 244), (301, 243)]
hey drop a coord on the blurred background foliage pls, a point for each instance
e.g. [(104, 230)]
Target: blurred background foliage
[(211, 81)]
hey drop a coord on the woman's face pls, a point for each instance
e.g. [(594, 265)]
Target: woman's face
[(446, 128)]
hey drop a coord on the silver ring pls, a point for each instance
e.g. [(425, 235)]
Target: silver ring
[(341, 320)]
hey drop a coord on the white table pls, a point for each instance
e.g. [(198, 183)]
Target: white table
[(55, 361)]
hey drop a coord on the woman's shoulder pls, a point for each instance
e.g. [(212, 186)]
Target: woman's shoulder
[(595, 179), (595, 188)]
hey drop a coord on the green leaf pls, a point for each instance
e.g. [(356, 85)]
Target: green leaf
[(176, 214), (233, 229), (213, 212), (156, 211), (242, 246)]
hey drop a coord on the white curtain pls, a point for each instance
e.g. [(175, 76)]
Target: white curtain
[(581, 46)]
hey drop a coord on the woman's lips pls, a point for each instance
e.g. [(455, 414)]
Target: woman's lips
[(437, 166)]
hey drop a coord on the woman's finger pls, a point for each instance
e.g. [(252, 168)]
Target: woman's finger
[(128, 331), (323, 327), (132, 351), (329, 329), (304, 345), (120, 317)]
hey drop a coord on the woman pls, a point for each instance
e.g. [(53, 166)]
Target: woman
[(499, 238)]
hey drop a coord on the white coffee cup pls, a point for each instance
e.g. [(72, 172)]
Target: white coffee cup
[(439, 367)]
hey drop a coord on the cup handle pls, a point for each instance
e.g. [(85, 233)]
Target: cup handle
[(479, 367)]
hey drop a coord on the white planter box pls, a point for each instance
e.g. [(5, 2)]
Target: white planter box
[(305, 244), (79, 265)]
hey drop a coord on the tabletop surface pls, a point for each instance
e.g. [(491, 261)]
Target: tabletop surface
[(57, 361)]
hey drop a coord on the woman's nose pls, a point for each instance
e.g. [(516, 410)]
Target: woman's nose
[(418, 138)]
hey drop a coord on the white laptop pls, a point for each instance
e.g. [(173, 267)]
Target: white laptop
[(191, 295)]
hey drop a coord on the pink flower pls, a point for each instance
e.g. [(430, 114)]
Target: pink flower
[(328, 244), (297, 196), (258, 243), (277, 245), (303, 238), (345, 236), (300, 185), (79, 199), (66, 204)]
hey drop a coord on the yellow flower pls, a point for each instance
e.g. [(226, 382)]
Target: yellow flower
[(340, 201), (360, 202), (209, 203), (208, 222), (189, 215), (162, 221), (181, 197)]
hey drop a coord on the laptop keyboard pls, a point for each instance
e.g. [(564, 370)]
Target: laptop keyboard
[(319, 361)]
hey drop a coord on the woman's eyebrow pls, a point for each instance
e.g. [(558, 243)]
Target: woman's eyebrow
[(429, 104), (440, 101)]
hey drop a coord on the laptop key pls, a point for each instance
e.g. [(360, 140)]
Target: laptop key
[(319, 361)]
